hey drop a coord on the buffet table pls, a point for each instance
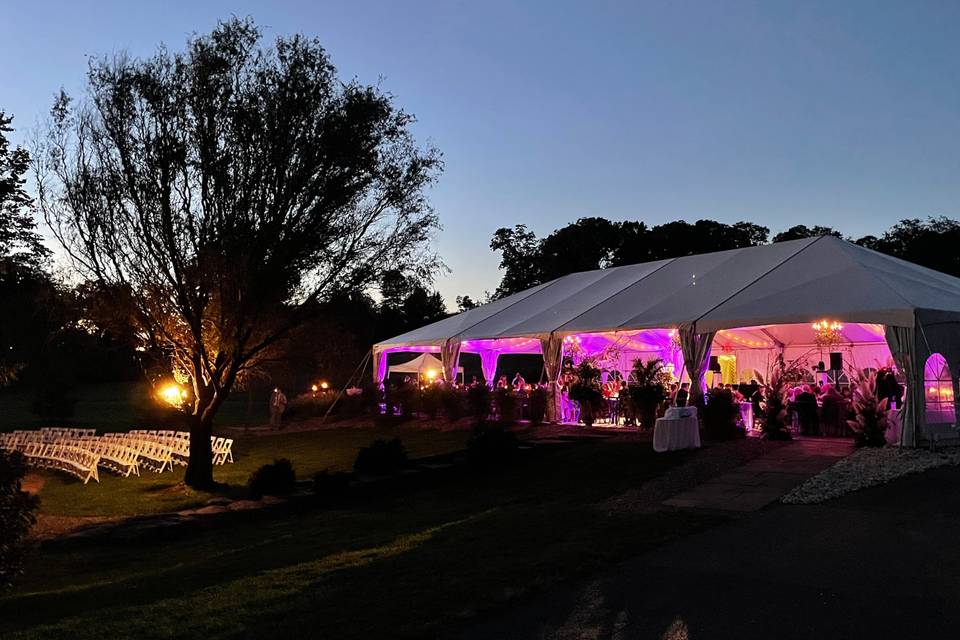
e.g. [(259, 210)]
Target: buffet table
[(678, 429)]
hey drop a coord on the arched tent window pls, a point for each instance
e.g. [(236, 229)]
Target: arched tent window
[(938, 389)]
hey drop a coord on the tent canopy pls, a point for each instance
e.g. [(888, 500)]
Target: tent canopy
[(799, 281)]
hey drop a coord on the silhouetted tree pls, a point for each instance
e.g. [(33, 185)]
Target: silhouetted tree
[(519, 259), (801, 231), (226, 190), (584, 245), (465, 303), (932, 243)]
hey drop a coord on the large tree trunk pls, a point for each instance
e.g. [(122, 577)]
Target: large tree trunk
[(199, 473)]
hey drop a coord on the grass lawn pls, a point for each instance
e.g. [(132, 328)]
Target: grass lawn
[(419, 565), (311, 451)]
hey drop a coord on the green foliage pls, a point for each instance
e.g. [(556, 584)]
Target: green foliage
[(773, 408), (275, 479), (720, 416), (871, 414), (430, 400), (648, 388), (453, 401), (478, 402), (538, 404), (506, 403), (381, 458), (16, 516), (586, 391)]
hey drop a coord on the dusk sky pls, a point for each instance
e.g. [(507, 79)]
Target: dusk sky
[(844, 114)]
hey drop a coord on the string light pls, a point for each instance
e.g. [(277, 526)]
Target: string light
[(747, 342)]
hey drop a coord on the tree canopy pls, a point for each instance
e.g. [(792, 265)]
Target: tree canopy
[(222, 192), (596, 243)]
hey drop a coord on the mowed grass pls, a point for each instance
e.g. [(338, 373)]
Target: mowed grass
[(419, 565), (311, 451)]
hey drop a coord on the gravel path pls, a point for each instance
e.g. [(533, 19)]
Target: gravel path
[(868, 467)]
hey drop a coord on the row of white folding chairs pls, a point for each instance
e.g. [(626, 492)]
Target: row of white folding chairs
[(115, 455), (179, 441), (53, 433), (154, 455), (69, 458)]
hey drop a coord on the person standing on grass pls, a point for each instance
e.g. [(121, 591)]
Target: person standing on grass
[(278, 404)]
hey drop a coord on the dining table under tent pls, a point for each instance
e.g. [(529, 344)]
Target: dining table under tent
[(739, 309)]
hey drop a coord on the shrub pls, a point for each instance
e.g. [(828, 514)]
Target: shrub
[(871, 414), (382, 457), (538, 405), (586, 392), (452, 401), (478, 401), (16, 516), (275, 479), (403, 397), (331, 487), (720, 416), (430, 399), (491, 446), (506, 404), (773, 408), (647, 390)]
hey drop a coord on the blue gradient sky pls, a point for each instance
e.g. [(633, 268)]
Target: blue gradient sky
[(838, 113)]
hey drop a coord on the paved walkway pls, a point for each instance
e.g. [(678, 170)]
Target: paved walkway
[(761, 481), (878, 563)]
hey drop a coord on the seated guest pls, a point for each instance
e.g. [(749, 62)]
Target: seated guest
[(833, 413), (518, 382), (806, 407), (683, 394), (502, 383)]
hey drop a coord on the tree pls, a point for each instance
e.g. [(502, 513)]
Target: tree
[(584, 245), (800, 231), (21, 248), (227, 189), (519, 259), (16, 515), (932, 243), (465, 303), (26, 294)]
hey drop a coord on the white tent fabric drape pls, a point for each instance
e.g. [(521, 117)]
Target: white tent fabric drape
[(696, 353), (552, 348), (450, 357), (488, 365), (904, 349), (379, 365)]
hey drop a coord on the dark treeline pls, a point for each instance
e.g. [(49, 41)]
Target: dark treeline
[(597, 243)]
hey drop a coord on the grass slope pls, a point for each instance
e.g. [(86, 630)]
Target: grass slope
[(416, 566)]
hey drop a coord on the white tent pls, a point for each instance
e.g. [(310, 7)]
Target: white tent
[(421, 365), (758, 298)]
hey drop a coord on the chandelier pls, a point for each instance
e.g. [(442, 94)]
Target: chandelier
[(827, 332)]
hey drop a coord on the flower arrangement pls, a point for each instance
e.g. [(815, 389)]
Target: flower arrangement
[(871, 414), (586, 390)]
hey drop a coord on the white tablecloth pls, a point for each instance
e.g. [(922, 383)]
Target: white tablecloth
[(683, 433)]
